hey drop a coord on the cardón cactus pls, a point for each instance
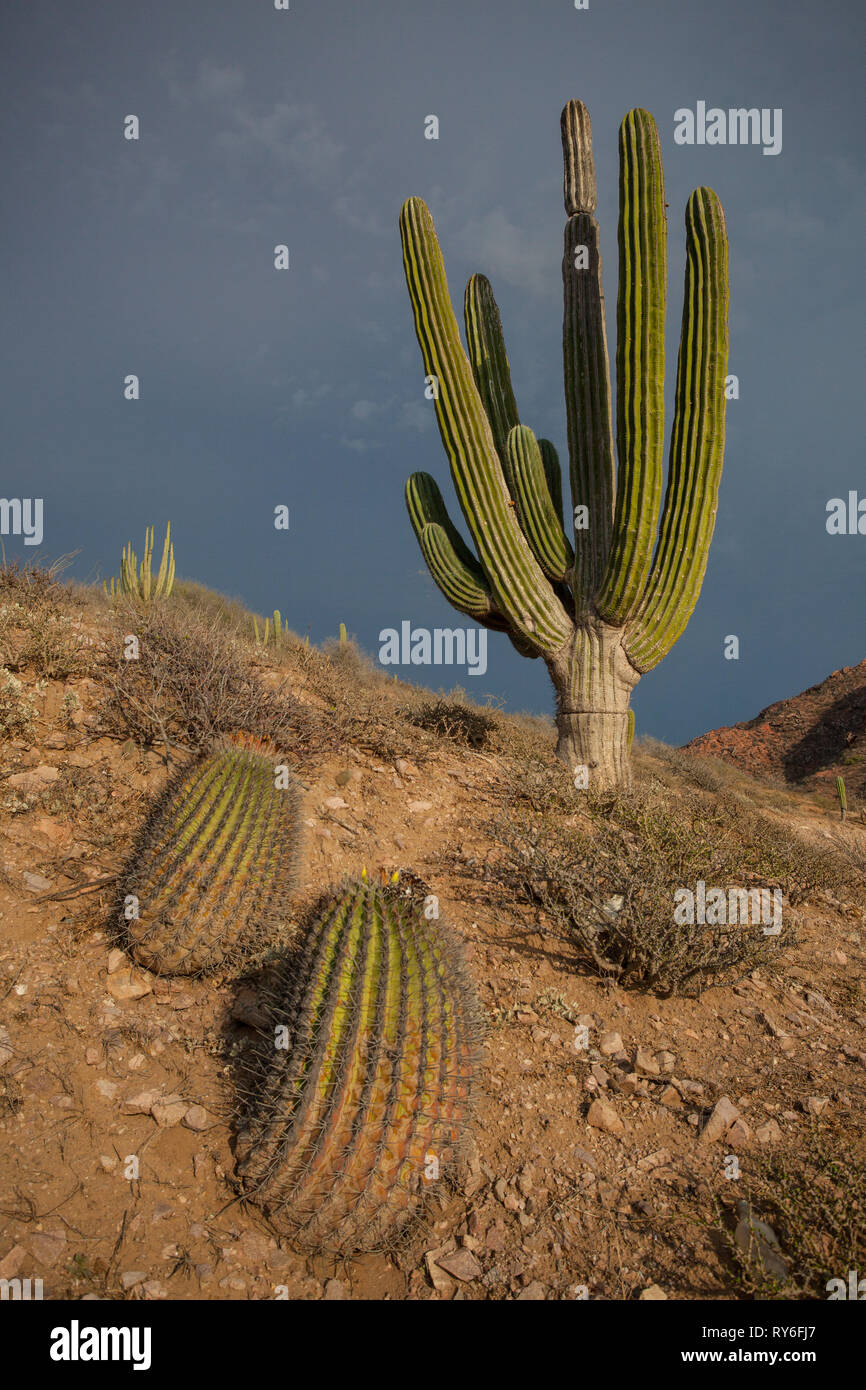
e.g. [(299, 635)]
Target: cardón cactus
[(606, 608), (364, 1100), (214, 867)]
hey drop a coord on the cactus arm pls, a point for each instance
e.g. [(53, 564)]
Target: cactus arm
[(640, 366), (425, 504), (527, 483), (458, 583), (489, 361), (169, 582), (516, 579), (553, 474), (161, 578), (697, 440), (585, 360), (145, 564)]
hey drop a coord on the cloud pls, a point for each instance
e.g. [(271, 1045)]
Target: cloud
[(502, 250)]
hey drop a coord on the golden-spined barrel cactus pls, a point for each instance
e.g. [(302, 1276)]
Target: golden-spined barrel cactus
[(214, 868), (362, 1095)]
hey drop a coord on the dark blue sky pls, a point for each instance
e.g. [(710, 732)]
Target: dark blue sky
[(306, 387)]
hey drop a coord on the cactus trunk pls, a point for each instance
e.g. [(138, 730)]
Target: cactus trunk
[(593, 680)]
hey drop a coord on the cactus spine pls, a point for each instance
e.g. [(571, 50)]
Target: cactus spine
[(214, 866), (369, 1100), (607, 606), (842, 795), (138, 582)]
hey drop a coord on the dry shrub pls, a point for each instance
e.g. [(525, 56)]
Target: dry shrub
[(191, 682), (575, 857), (455, 720), (35, 630)]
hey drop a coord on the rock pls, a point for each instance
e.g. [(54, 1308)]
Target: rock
[(107, 1162), (601, 1115), (335, 1291), (342, 779), (666, 1061), (140, 1104), (47, 1246), (131, 1277), (204, 1273), (645, 1063), (583, 1156), (196, 1118), (652, 1294), (599, 1074), (128, 984), (609, 1044), (670, 1097), (7, 1052), (116, 958), (815, 1105), (720, 1121), (533, 1293), (12, 1262), (336, 803), (247, 1008), (169, 1111), (36, 882), (738, 1134), (35, 779), (417, 808), (107, 1089), (438, 1277), (654, 1160), (403, 767), (254, 1246), (768, 1133), (462, 1265), (759, 1242)]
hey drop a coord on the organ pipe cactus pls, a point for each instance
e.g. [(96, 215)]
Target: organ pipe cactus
[(360, 1099), (213, 870), (138, 582), (602, 599), (842, 795)]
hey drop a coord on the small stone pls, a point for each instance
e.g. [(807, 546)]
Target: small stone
[(196, 1118), (107, 1162), (342, 779), (47, 1247), (169, 1111), (738, 1134), (658, 1159), (670, 1097), (128, 984), (652, 1294), (93, 1056), (141, 1104), (533, 1293), (462, 1265), (154, 1289), (116, 958), (666, 1061), (335, 1291), (720, 1121), (645, 1063), (336, 803), (583, 1156), (815, 1105), (417, 808), (204, 1273), (609, 1044), (12, 1262), (36, 882), (132, 1277), (404, 768), (601, 1115), (438, 1277), (108, 1089), (768, 1133)]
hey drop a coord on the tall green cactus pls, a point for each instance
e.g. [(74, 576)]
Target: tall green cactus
[(842, 795), (214, 866), (359, 1100), (605, 608)]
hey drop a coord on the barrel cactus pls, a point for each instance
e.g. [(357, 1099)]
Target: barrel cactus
[(214, 867), (603, 598), (362, 1095)]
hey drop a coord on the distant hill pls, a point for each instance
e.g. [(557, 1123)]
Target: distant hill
[(806, 739)]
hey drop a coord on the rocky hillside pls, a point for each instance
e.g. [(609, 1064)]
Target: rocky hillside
[(638, 1080), (806, 740)]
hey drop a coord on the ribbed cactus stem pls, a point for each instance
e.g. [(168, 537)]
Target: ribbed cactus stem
[(368, 1104), (602, 613), (841, 793), (213, 870)]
